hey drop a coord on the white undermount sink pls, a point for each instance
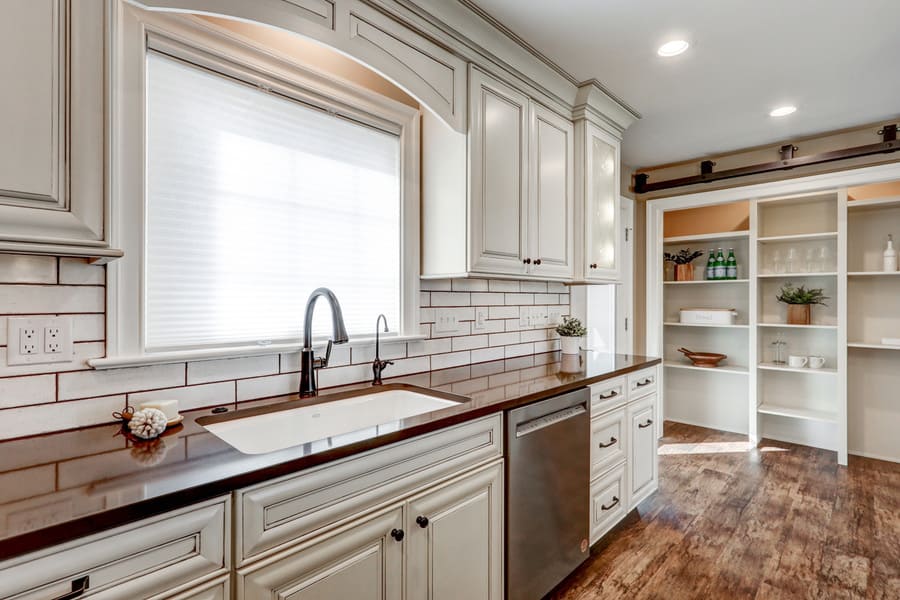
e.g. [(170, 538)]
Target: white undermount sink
[(327, 424)]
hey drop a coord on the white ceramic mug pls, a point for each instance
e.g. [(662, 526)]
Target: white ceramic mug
[(816, 362), (797, 362)]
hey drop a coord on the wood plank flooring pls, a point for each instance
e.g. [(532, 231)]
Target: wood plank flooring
[(775, 522)]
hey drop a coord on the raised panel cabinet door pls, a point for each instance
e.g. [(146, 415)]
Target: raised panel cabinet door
[(455, 547), (362, 561), (552, 200), (52, 136), (642, 455), (601, 221), (498, 165)]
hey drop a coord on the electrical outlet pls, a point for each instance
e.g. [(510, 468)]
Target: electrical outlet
[(540, 316), (28, 340), (41, 340), (524, 317), (554, 316), (52, 339)]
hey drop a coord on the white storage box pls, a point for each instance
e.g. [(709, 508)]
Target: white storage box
[(708, 316)]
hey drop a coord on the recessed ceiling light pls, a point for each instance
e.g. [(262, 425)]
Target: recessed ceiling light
[(783, 111), (673, 48)]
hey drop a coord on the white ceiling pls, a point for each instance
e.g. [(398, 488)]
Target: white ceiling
[(838, 61)]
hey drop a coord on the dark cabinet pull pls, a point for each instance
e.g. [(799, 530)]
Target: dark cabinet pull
[(397, 534), (79, 586), (537, 261), (422, 521), (593, 265), (527, 261), (612, 442), (644, 382), (647, 424), (612, 394), (614, 502)]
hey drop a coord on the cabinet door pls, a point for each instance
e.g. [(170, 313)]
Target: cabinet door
[(456, 539), (642, 455), (498, 157), (601, 221), (551, 197), (363, 561), (51, 119)]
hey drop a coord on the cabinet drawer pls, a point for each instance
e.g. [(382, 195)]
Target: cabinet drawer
[(220, 589), (142, 560), (275, 514), (607, 395), (608, 441), (641, 383), (609, 502)]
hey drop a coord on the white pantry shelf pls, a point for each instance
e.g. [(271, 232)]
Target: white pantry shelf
[(871, 346), (707, 237), (707, 281), (767, 366), (730, 369), (677, 324), (873, 274), (790, 275), (800, 237), (797, 326), (808, 414), (887, 202)]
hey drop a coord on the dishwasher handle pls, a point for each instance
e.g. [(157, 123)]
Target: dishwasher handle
[(536, 424)]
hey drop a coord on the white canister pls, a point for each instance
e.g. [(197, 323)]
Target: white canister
[(570, 344)]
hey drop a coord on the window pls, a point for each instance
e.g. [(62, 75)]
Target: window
[(259, 184)]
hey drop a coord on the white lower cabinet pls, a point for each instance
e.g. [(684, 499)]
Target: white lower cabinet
[(455, 539), (218, 589), (624, 457), (642, 454), (160, 558), (363, 561)]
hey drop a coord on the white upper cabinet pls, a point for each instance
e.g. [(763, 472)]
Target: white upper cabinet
[(600, 204), (498, 163), (552, 201), (52, 178)]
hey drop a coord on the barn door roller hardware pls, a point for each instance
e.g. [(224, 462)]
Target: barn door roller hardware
[(786, 161)]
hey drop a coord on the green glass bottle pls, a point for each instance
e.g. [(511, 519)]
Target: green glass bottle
[(731, 265), (721, 269), (711, 265)]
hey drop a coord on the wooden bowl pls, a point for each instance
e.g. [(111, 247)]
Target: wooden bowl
[(708, 360)]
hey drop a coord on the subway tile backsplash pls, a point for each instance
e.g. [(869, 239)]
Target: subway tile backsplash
[(40, 398)]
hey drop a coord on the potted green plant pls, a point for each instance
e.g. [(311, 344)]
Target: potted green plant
[(570, 333), (684, 270), (799, 301)]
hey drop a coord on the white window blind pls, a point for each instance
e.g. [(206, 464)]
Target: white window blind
[(253, 201)]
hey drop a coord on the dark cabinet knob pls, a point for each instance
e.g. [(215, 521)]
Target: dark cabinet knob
[(527, 261), (397, 534), (422, 521), (615, 501), (612, 442), (647, 424), (537, 261), (593, 265)]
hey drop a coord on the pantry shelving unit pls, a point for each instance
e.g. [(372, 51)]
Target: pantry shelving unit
[(826, 231)]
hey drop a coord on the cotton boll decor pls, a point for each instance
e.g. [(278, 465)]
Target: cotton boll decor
[(147, 423)]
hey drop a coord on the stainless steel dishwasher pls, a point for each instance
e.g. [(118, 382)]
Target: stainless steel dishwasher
[(547, 493)]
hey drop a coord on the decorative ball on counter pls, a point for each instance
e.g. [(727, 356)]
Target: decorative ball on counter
[(147, 423)]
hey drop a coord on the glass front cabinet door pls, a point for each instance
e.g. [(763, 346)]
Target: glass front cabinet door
[(601, 205)]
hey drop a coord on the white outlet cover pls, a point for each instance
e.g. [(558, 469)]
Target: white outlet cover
[(540, 316), (15, 326), (524, 317), (554, 317)]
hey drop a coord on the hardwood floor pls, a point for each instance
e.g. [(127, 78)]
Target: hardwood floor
[(778, 521)]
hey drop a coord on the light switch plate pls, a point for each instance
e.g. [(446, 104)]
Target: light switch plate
[(39, 340), (445, 321), (554, 316)]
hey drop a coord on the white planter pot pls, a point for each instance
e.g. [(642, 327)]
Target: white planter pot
[(570, 345)]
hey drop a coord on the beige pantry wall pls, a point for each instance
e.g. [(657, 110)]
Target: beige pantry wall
[(41, 398)]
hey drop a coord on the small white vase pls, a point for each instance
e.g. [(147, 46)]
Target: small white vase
[(570, 345)]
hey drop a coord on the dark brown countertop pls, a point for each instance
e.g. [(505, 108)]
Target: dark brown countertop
[(62, 486)]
